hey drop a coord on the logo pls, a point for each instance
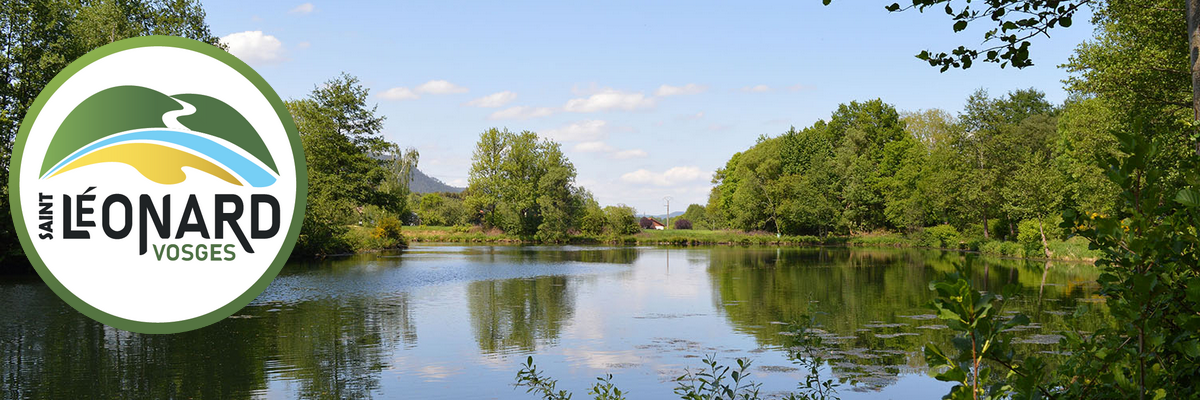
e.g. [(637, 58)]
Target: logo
[(158, 184)]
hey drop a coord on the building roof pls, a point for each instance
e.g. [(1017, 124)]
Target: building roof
[(651, 221)]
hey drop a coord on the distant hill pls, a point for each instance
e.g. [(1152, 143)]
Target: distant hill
[(421, 183), (661, 217)]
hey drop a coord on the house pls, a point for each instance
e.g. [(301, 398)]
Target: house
[(651, 223)]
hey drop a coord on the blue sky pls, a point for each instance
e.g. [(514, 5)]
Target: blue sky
[(647, 99)]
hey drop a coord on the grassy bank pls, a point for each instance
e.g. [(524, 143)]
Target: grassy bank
[(1075, 249)]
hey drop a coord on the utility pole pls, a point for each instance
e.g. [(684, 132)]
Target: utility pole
[(668, 200)]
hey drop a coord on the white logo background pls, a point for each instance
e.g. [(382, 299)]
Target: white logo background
[(110, 274)]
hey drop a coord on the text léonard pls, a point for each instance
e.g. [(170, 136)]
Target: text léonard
[(76, 221)]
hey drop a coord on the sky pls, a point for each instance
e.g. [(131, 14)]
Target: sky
[(647, 100)]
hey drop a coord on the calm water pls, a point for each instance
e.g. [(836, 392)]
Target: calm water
[(456, 322)]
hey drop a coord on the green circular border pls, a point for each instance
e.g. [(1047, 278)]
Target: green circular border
[(297, 216)]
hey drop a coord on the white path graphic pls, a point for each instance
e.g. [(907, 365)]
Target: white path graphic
[(171, 118)]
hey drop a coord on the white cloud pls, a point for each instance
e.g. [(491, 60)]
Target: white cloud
[(690, 117), (583, 131), (521, 112), (254, 47), (608, 150), (399, 93), (670, 177), (688, 89), (303, 9), (493, 100), (631, 153), (593, 147), (303, 45), (799, 87), (757, 89), (609, 99), (440, 87)]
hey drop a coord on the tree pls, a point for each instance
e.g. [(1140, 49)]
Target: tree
[(592, 220), (341, 136), (430, 210), (40, 38), (996, 142), (1128, 25), (621, 220), (861, 132), (697, 215), (681, 223), (1035, 193), (523, 185), (1085, 133), (1137, 67)]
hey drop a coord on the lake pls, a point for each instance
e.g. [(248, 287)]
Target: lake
[(446, 321)]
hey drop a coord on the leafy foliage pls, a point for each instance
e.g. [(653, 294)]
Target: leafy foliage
[(717, 382), (534, 381), (870, 168), (523, 185), (1013, 24), (620, 220), (1150, 279), (983, 364), (350, 166)]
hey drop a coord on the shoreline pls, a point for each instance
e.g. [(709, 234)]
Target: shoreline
[(415, 234)]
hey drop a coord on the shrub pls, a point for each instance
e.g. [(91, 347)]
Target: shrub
[(593, 221), (1002, 248), (388, 228), (646, 223), (941, 236), (621, 220), (1075, 247), (1030, 237), (683, 224)]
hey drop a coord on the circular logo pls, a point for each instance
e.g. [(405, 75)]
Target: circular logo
[(158, 184)]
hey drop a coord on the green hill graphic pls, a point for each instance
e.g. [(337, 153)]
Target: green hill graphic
[(123, 108)]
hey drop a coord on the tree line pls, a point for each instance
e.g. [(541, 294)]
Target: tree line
[(1000, 162)]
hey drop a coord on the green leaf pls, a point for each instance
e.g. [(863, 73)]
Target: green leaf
[(894, 7), (1188, 197), (1064, 22), (960, 25)]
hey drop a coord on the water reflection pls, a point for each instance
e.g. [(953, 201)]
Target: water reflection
[(455, 322), (870, 301), (518, 313)]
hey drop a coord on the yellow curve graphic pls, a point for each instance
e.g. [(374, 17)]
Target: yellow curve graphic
[(156, 162)]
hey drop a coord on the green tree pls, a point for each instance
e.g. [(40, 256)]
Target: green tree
[(523, 185), (1137, 66), (592, 219), (342, 137), (1085, 133), (1035, 193), (621, 220), (861, 132), (698, 216), (430, 210), (996, 142)]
